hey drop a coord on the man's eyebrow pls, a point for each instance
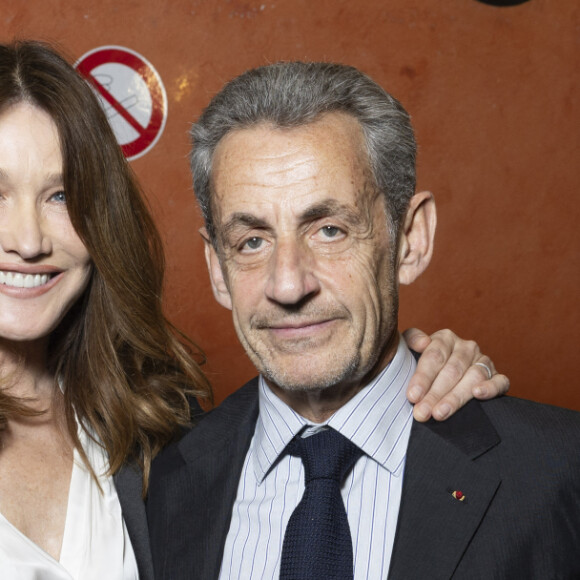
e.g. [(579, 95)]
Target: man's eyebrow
[(241, 219), (329, 207), (322, 209)]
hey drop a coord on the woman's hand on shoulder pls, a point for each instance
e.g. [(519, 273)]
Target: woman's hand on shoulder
[(450, 372)]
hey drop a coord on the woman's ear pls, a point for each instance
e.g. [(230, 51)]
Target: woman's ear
[(416, 238), (216, 274)]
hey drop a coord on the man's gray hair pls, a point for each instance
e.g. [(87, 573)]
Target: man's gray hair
[(293, 94)]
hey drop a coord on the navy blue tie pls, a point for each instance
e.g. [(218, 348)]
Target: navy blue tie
[(317, 543)]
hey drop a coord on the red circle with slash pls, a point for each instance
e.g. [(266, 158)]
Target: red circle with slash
[(132, 94)]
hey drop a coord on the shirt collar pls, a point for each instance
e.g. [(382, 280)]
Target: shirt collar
[(377, 419)]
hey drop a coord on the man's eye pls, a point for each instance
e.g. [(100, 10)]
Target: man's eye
[(253, 243), (330, 231)]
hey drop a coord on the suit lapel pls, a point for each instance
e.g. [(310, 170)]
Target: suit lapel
[(434, 528), (198, 496), (128, 483)]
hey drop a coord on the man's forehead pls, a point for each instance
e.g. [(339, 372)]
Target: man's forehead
[(264, 164)]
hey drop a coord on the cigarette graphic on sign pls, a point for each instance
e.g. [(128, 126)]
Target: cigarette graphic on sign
[(132, 94)]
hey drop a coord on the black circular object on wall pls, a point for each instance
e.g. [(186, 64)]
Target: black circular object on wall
[(503, 2)]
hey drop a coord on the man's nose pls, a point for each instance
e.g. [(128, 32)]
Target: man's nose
[(23, 231), (291, 276)]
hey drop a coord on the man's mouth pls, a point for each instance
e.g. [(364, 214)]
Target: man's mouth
[(304, 329)]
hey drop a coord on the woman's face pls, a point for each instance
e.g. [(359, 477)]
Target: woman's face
[(44, 266)]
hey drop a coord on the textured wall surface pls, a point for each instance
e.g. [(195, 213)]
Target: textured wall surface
[(494, 97)]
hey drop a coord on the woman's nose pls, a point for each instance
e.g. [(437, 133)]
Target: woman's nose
[(23, 231)]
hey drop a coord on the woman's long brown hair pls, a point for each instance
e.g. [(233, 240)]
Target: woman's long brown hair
[(127, 373)]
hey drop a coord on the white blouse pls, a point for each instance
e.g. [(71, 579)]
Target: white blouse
[(95, 545)]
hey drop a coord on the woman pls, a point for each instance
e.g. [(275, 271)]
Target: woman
[(93, 379), (92, 374)]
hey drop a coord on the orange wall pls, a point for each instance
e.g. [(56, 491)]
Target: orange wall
[(494, 97)]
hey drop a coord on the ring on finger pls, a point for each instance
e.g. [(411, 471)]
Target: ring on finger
[(489, 373)]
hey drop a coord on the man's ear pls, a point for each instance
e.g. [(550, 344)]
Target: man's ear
[(416, 237), (216, 275)]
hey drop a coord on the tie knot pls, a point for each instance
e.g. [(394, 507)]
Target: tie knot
[(326, 455)]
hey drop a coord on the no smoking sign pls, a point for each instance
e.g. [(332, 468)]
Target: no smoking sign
[(132, 94)]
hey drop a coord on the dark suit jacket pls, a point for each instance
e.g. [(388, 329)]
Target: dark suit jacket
[(128, 483), (128, 486), (516, 462)]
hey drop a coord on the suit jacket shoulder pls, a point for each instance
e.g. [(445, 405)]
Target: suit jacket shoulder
[(193, 486), (517, 466)]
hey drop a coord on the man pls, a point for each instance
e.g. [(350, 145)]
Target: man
[(306, 177)]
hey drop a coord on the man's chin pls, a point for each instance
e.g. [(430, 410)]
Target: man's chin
[(299, 377)]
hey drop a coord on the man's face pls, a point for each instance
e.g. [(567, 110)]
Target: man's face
[(304, 254)]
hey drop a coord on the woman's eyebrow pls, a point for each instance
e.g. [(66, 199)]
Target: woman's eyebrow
[(51, 180), (54, 180)]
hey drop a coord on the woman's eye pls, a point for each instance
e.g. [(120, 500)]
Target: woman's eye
[(59, 197)]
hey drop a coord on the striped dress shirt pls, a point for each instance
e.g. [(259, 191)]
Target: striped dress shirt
[(378, 420)]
